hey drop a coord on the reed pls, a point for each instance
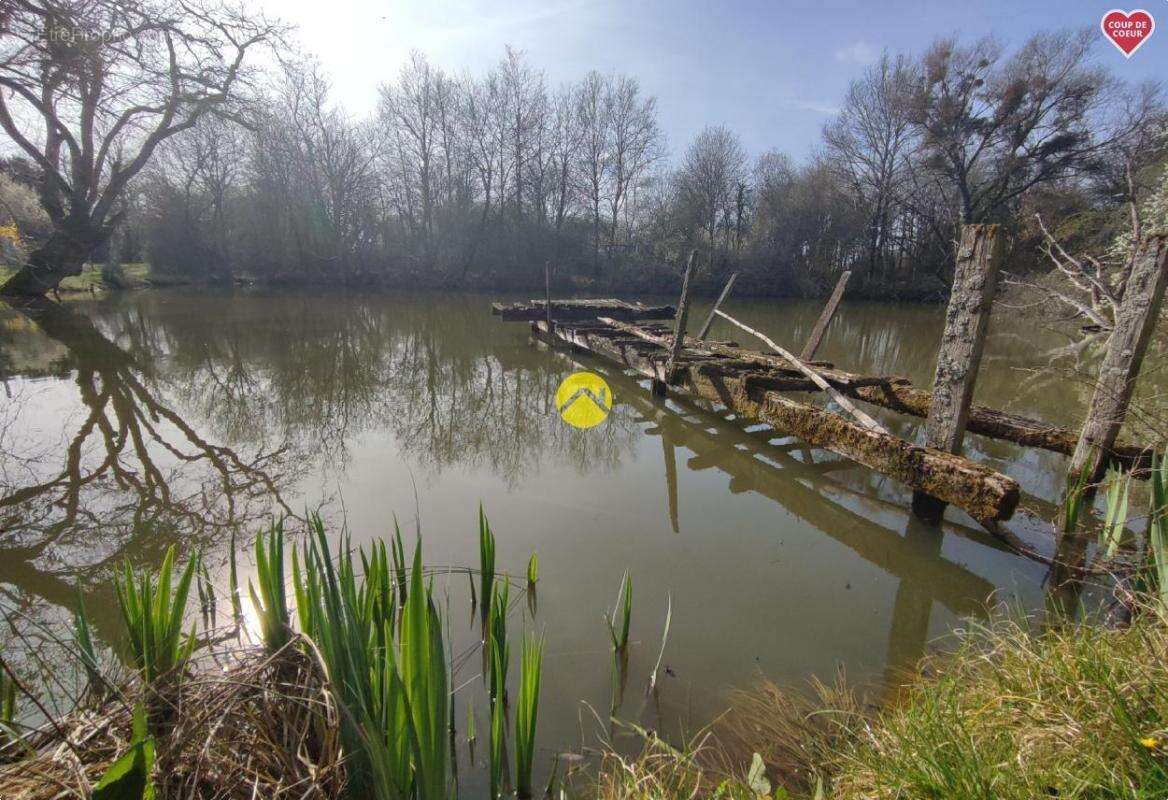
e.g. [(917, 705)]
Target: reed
[(532, 570), (270, 601), (8, 732), (621, 615), (153, 616), (497, 752), (498, 648), (1118, 495), (233, 587), (1158, 530), (390, 679), (95, 684), (486, 564), (527, 713)]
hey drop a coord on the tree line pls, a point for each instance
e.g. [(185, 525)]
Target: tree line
[(486, 180)]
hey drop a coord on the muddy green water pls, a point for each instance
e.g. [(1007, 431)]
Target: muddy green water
[(157, 417)]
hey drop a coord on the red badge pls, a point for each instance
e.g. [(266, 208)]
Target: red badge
[(1127, 30)]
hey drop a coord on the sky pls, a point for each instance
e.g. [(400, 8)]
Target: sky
[(773, 72)]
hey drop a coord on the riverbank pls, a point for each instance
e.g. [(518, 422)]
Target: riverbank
[(1073, 710), (1013, 709)]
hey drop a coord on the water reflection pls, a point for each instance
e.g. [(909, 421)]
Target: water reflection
[(145, 419)]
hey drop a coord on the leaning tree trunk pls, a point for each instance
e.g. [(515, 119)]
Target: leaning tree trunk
[(60, 257)]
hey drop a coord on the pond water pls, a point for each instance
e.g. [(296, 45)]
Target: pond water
[(143, 419)]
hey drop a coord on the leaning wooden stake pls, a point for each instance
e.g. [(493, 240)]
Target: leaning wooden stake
[(547, 291), (1134, 324), (717, 304), (816, 337), (815, 377), (679, 324), (979, 258)]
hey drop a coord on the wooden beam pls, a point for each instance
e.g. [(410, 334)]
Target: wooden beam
[(817, 332), (1134, 324), (979, 257), (899, 395), (679, 324), (567, 310), (813, 375), (705, 329)]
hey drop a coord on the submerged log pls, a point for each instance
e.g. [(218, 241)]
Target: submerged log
[(980, 491), (567, 310)]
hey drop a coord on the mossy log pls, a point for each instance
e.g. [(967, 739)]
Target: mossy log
[(570, 310)]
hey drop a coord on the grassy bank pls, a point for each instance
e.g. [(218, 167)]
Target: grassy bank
[(1077, 711), (90, 282)]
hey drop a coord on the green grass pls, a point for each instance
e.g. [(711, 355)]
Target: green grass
[(153, 615), (136, 274), (1069, 713)]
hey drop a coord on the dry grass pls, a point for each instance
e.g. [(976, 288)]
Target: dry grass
[(265, 727)]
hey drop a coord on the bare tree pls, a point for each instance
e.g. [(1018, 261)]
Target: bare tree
[(715, 164), (867, 145), (90, 88), (994, 128)]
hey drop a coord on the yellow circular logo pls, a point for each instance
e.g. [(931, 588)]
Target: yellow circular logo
[(584, 399)]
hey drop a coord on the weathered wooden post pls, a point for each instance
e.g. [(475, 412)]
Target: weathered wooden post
[(1135, 321), (547, 299), (817, 332), (979, 257), (717, 304), (679, 325)]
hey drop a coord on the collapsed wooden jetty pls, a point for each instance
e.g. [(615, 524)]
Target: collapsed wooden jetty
[(751, 384), (756, 385)]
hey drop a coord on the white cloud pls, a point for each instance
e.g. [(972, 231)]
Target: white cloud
[(857, 53)]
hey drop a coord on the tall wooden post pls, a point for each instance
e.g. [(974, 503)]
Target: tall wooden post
[(816, 337), (979, 257), (1135, 321), (679, 325), (547, 297), (717, 304)]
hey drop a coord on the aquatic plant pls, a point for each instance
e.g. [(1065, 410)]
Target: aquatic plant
[(130, 777), (95, 684), (498, 648), (270, 602), (233, 583), (7, 708), (486, 564), (1118, 494), (532, 570), (390, 679), (622, 613), (153, 616), (497, 752), (1158, 529), (527, 713), (664, 639)]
